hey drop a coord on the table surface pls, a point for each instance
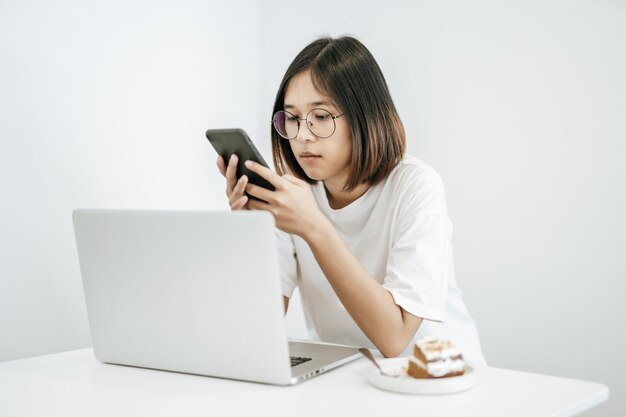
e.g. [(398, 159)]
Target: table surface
[(75, 383)]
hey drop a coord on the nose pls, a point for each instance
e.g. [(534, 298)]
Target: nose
[(304, 133)]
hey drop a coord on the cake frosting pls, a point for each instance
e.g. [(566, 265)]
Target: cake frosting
[(435, 358)]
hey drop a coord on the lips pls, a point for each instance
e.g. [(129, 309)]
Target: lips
[(309, 155)]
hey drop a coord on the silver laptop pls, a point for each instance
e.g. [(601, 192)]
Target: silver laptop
[(193, 292)]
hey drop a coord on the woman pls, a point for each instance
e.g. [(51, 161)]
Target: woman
[(363, 228)]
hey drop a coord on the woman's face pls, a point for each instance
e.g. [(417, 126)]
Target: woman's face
[(326, 159)]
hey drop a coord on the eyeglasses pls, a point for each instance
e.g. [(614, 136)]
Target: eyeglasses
[(319, 121)]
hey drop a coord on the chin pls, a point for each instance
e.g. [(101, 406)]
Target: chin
[(316, 176)]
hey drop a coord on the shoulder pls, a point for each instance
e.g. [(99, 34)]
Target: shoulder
[(412, 168), (417, 181), (414, 174)]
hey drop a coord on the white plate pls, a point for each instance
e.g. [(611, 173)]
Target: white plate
[(409, 385)]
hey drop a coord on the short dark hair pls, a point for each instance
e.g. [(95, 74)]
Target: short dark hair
[(345, 71)]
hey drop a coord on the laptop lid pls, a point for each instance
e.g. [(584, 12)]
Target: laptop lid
[(193, 292)]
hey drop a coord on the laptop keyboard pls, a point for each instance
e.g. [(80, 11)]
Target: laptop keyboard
[(297, 360)]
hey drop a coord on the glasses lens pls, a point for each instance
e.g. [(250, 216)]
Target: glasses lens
[(321, 123), (286, 124)]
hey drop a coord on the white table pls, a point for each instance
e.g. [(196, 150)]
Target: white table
[(76, 384)]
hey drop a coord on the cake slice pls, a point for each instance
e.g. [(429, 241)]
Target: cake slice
[(434, 358)]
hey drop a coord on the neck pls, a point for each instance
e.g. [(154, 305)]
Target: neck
[(339, 198)]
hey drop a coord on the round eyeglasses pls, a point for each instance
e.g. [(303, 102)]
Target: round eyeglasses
[(319, 121)]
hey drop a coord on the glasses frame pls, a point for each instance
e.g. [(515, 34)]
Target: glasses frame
[(307, 122)]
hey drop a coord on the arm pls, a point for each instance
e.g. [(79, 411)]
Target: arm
[(370, 305), (235, 193)]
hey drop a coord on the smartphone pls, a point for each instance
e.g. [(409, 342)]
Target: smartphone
[(235, 141)]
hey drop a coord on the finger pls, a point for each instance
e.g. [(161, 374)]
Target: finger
[(231, 174), (240, 203), (266, 173), (238, 190), (260, 193), (292, 179), (258, 205), (220, 165)]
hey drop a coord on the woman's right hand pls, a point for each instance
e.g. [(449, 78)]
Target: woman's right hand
[(234, 189)]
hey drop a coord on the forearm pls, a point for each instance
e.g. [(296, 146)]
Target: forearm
[(369, 304)]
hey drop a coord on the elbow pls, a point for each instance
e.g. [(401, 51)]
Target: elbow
[(393, 350), (393, 343), (396, 345)]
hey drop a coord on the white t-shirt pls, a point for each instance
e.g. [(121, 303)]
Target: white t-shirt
[(400, 232)]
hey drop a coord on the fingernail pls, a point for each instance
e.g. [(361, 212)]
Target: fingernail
[(231, 157), (249, 164)]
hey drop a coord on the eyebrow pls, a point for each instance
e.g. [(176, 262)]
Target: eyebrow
[(315, 103)]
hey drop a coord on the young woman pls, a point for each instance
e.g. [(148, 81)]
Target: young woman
[(363, 228)]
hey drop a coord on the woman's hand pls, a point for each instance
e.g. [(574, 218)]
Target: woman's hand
[(292, 203), (234, 189)]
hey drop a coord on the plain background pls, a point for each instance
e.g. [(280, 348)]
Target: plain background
[(520, 106)]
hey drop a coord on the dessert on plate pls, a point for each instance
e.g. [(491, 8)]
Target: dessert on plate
[(435, 358)]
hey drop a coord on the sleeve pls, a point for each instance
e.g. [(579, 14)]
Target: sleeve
[(287, 264), (420, 253)]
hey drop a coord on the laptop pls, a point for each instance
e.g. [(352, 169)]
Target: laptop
[(196, 292)]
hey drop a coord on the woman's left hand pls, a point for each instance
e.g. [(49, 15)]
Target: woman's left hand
[(292, 203)]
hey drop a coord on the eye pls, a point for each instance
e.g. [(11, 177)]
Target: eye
[(321, 115)]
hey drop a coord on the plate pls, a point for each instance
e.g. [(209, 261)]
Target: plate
[(409, 385)]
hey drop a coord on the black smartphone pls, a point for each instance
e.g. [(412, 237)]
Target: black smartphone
[(235, 141)]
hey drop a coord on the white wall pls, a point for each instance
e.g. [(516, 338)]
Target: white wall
[(520, 106), (105, 104)]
